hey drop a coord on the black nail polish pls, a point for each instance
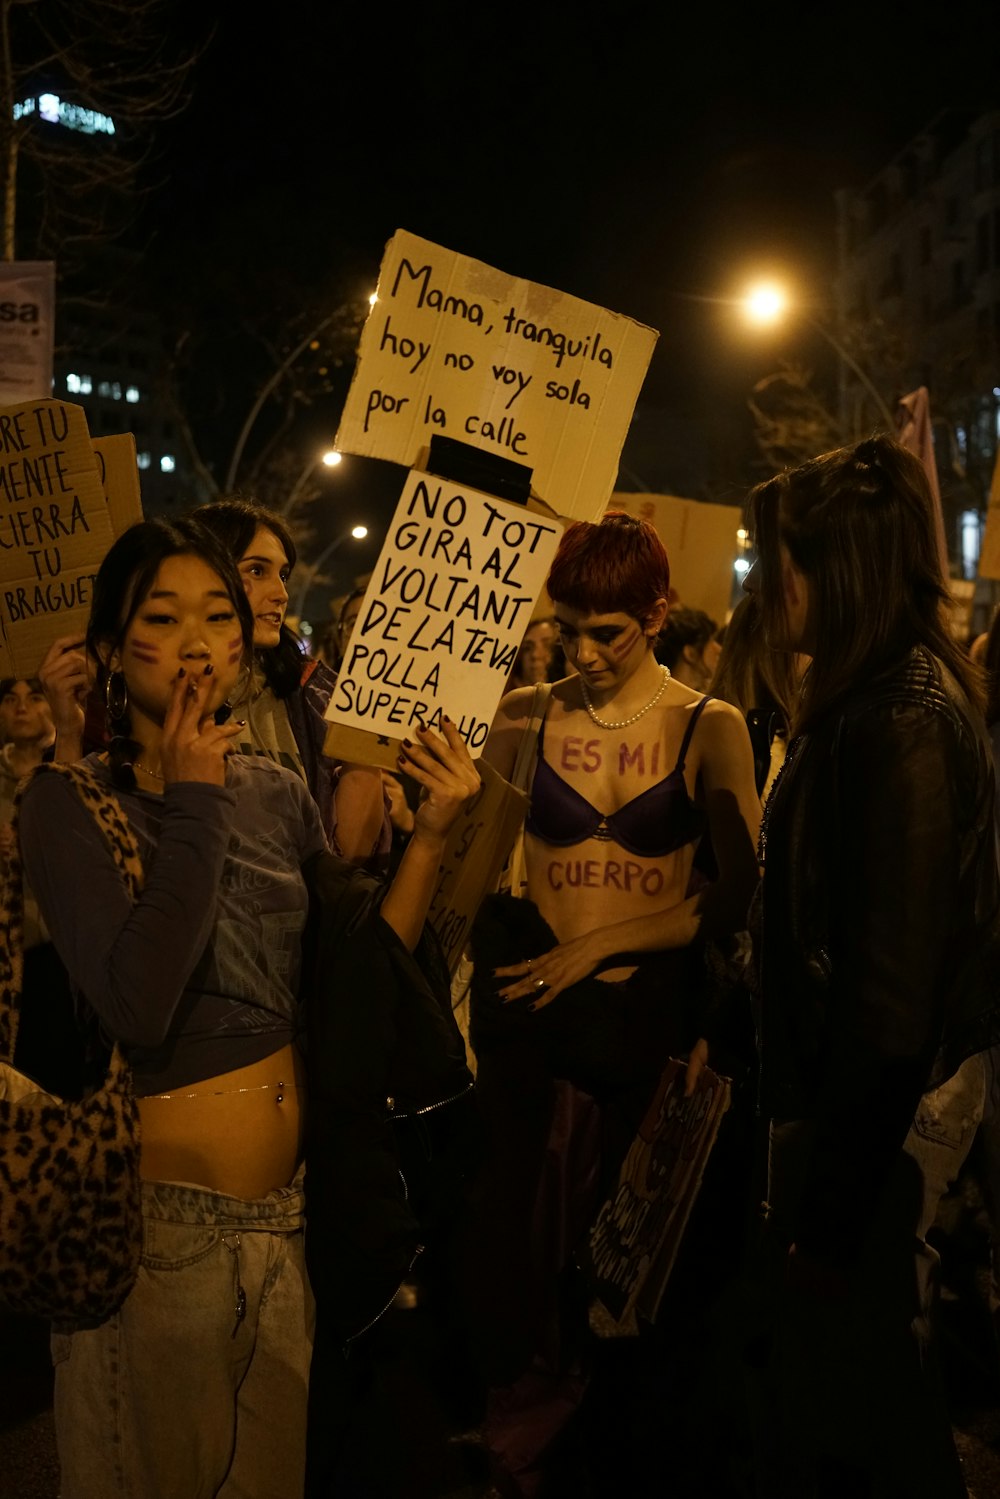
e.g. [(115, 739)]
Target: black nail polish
[(208, 670), (181, 673), (407, 743)]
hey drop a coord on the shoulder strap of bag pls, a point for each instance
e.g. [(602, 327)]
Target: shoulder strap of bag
[(514, 877), (107, 812), (529, 736)]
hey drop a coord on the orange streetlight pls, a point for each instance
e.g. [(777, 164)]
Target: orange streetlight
[(766, 303)]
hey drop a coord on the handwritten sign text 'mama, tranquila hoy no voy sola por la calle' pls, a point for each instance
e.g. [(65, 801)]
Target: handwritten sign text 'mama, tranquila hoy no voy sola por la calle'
[(522, 371), (54, 529), (445, 612)]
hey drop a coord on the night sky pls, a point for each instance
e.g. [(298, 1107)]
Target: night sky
[(624, 154), (643, 157)]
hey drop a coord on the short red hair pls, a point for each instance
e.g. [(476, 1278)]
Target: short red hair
[(617, 567)]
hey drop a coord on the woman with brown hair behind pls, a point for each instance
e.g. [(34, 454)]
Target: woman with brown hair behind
[(763, 684), (875, 915)]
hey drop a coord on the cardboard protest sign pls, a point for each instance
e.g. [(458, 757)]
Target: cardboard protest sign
[(701, 544), (54, 529), (119, 476), (27, 329), (444, 614), (356, 747), (961, 598), (637, 1233), (989, 556), (519, 370), (474, 855)]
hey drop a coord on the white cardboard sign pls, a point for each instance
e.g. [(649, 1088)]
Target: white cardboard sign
[(444, 613), (27, 330), (519, 370)]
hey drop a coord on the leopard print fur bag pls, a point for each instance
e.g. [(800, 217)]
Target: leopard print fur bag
[(70, 1213)]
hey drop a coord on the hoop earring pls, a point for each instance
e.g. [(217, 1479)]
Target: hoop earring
[(115, 696)]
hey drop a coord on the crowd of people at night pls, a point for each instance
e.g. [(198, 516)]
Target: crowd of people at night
[(764, 846)]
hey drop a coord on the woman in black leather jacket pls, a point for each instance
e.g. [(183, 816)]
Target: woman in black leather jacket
[(872, 944)]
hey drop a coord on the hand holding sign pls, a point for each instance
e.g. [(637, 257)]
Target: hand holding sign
[(66, 678), (443, 769)]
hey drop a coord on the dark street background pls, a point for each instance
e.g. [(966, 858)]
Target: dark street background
[(414, 1430)]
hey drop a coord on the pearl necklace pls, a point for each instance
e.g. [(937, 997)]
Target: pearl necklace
[(602, 723)]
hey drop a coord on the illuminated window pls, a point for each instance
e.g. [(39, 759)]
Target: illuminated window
[(132, 393), (167, 464), (104, 388), (970, 542), (143, 460), (73, 384)]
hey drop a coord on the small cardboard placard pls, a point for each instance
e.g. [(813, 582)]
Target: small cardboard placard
[(635, 1238), (54, 529), (119, 475), (443, 616), (475, 853), (989, 555), (701, 544), (961, 596), (518, 370)]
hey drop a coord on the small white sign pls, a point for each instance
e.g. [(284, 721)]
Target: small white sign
[(27, 327), (445, 611)]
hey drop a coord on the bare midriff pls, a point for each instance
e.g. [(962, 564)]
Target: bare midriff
[(596, 882), (239, 1133)]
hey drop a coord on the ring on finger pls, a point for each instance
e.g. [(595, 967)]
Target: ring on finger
[(539, 983)]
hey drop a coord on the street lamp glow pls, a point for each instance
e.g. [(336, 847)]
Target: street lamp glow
[(373, 299), (359, 532), (331, 458), (765, 303)]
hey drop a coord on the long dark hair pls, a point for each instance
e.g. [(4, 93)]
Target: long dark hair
[(235, 521), (749, 673), (123, 580), (859, 523)]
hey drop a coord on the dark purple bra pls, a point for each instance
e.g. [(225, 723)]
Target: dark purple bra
[(656, 822)]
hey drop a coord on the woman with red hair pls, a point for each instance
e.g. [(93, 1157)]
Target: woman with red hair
[(596, 956)]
